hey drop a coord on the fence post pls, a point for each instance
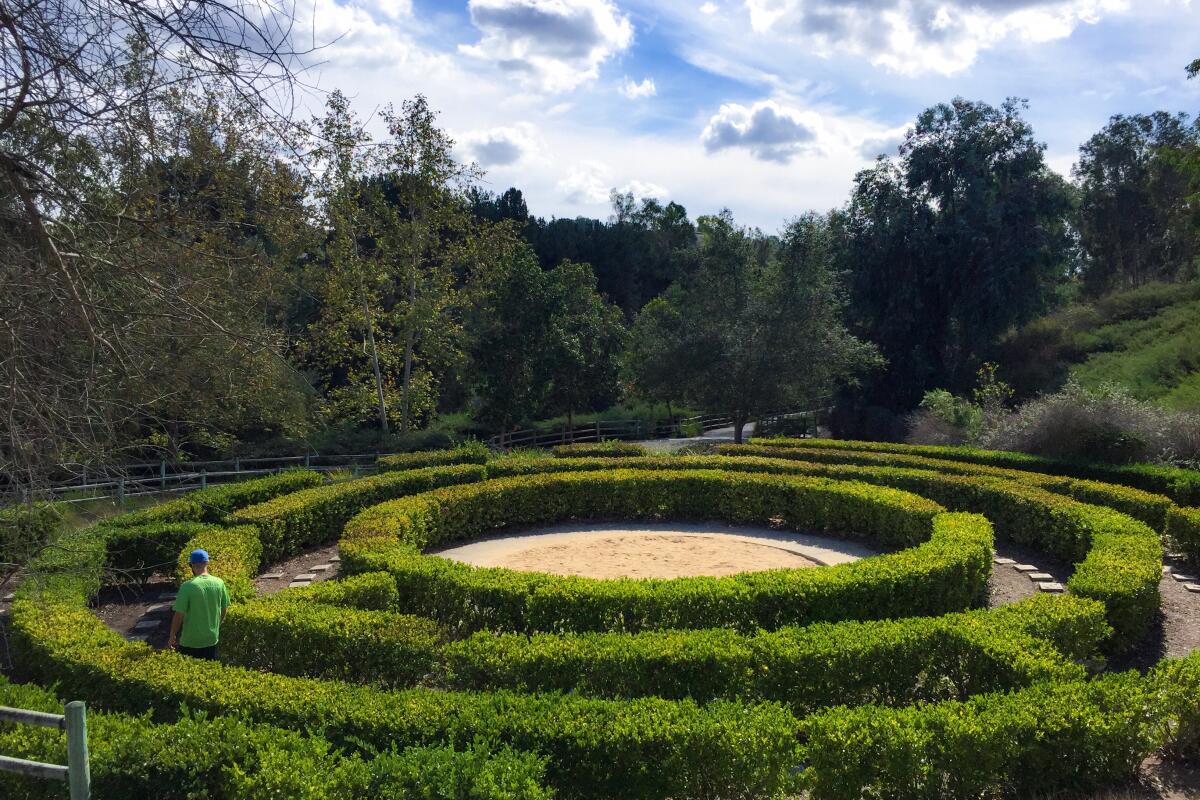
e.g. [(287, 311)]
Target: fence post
[(237, 465), (79, 771), (307, 460), (203, 479), (355, 470), (597, 430), (162, 475), (120, 491)]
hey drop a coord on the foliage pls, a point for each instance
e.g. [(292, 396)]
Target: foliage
[(1104, 425), (472, 452), (612, 448), (946, 249), (234, 553), (757, 325)]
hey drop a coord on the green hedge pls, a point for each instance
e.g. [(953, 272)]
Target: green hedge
[(891, 662), (610, 449), (335, 643), (214, 503), (1183, 528), (1176, 684), (24, 529), (1150, 508), (1052, 737), (225, 759), (948, 572), (1181, 485), (138, 552), (371, 591), (293, 522), (1121, 557), (234, 554), (644, 748), (467, 453)]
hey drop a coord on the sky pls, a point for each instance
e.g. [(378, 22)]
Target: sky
[(765, 107)]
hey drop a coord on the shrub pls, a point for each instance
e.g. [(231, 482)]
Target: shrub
[(329, 642), (371, 591), (612, 448), (1183, 527), (946, 573), (234, 553), (893, 662), (214, 503), (290, 523), (137, 552), (1051, 737), (945, 419), (472, 452), (1176, 685), (1103, 425), (25, 529), (132, 757), (1181, 485), (595, 748)]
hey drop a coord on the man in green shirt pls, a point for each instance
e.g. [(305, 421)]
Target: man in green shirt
[(199, 611)]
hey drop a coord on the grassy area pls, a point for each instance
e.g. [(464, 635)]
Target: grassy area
[(1146, 340)]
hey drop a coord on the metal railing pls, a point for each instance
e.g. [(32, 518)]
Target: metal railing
[(77, 773)]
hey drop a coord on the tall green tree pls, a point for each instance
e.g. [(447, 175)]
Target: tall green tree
[(759, 321), (1133, 219), (656, 364), (962, 238)]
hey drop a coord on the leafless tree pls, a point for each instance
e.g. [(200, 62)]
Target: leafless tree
[(106, 280)]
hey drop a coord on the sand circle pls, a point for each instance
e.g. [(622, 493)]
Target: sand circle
[(655, 551)]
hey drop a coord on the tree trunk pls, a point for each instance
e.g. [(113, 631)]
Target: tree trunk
[(739, 422), (383, 421), (571, 423)]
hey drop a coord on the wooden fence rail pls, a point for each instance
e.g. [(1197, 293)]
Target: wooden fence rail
[(77, 773)]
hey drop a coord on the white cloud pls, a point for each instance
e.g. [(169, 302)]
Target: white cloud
[(549, 45), (709, 8), (921, 36), (770, 131), (502, 146), (886, 143), (642, 189), (586, 183), (636, 91)]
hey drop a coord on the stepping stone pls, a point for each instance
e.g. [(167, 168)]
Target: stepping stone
[(1003, 561), (1166, 570), (1041, 577), (8, 598), (335, 558), (1051, 586), (147, 625), (271, 576), (1192, 587), (299, 584), (166, 597), (159, 607), (321, 568), (308, 576), (1183, 578), (1026, 568)]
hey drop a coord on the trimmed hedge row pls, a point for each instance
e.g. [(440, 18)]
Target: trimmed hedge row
[(467, 453), (137, 552), (613, 448), (645, 748), (370, 591), (1121, 557), (1051, 737), (225, 759), (1181, 485), (335, 643), (1146, 506), (948, 572), (235, 554), (292, 522), (1183, 527), (213, 503), (892, 662)]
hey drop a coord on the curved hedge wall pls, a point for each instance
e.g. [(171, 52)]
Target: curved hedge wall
[(605, 689)]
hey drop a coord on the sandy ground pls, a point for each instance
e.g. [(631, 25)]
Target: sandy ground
[(668, 550)]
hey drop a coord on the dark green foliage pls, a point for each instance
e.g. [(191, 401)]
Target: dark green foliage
[(609, 449), (137, 552), (24, 530), (472, 452), (214, 503), (226, 759), (947, 248), (290, 523), (1051, 737), (320, 641)]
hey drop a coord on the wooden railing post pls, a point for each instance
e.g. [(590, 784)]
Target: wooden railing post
[(79, 774)]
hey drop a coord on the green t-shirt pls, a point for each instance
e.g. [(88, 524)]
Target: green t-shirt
[(201, 601)]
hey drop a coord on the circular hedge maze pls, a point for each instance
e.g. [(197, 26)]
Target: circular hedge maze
[(417, 676)]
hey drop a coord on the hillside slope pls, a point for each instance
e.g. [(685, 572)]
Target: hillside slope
[(1146, 340)]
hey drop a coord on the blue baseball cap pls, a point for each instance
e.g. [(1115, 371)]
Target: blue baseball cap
[(198, 557)]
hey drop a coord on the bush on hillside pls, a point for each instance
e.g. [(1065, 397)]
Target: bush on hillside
[(1106, 425)]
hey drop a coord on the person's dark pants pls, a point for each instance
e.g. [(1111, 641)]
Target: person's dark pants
[(206, 653)]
